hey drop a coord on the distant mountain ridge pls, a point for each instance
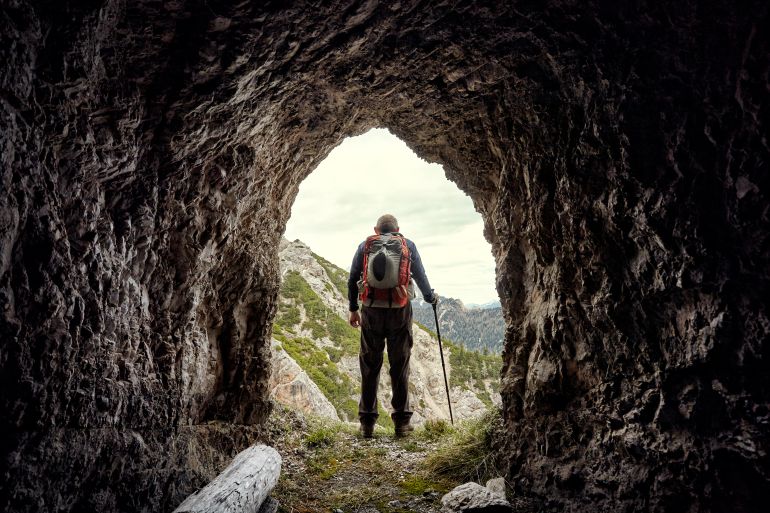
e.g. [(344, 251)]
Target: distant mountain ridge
[(477, 328), (484, 306)]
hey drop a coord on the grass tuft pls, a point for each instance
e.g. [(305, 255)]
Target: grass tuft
[(322, 436), (467, 453), (416, 484), (434, 430)]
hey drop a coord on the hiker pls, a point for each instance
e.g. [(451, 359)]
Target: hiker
[(381, 277)]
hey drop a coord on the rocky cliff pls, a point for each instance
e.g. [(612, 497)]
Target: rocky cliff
[(150, 153), (311, 327)]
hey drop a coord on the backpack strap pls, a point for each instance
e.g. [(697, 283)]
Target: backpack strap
[(367, 293), (405, 271)]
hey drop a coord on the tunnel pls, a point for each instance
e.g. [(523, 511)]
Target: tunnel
[(617, 152)]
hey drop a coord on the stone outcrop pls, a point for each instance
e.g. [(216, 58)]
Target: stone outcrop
[(474, 498), (291, 386), (297, 256), (617, 151)]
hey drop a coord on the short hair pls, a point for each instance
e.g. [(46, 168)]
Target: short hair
[(387, 224)]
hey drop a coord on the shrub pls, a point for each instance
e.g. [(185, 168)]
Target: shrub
[(321, 320), (335, 354), (317, 330), (288, 316), (471, 368)]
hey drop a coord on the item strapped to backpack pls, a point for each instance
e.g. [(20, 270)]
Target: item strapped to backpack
[(386, 280)]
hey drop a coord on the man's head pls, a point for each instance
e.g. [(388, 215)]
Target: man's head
[(386, 224)]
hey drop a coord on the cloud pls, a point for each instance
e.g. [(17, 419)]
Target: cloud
[(376, 173)]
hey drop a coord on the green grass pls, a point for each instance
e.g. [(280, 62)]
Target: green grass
[(320, 320), (324, 464), (338, 470), (467, 451), (416, 484), (322, 436), (433, 430)]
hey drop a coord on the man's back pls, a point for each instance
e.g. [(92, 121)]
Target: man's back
[(387, 318)]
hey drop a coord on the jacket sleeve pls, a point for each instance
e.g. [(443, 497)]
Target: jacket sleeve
[(418, 273), (356, 268)]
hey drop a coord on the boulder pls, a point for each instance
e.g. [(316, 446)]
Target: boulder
[(474, 498), (292, 387), (497, 485)]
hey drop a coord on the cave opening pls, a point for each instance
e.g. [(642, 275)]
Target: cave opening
[(616, 153), (337, 205)]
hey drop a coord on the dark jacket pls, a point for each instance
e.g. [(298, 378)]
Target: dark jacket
[(418, 273)]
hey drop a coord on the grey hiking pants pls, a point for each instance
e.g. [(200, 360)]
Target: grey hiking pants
[(378, 326)]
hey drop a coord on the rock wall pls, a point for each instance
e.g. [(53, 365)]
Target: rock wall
[(617, 152)]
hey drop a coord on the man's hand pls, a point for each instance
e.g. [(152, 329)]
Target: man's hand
[(433, 299), (355, 319)]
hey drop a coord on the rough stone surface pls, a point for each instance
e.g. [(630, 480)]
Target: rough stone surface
[(617, 151), (291, 386), (473, 498), (496, 485)]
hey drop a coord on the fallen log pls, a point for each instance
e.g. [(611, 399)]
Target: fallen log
[(242, 487)]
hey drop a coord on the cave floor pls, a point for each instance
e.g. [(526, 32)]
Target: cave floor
[(329, 467)]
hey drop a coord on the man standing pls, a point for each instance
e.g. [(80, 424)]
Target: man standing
[(381, 276)]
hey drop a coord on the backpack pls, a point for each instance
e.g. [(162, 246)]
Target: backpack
[(386, 279)]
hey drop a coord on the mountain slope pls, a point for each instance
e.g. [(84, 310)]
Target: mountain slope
[(311, 329), (477, 328)]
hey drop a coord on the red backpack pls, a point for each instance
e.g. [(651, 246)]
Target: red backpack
[(386, 280)]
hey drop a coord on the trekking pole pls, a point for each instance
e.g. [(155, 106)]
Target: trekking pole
[(443, 367)]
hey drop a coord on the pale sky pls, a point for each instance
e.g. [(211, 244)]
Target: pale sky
[(339, 203)]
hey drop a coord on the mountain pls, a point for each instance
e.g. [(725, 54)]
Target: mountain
[(483, 306), (477, 328), (315, 352)]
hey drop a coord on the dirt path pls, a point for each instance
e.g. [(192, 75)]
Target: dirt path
[(330, 468)]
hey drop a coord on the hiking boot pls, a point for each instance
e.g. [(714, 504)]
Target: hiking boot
[(403, 430), (366, 430)]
